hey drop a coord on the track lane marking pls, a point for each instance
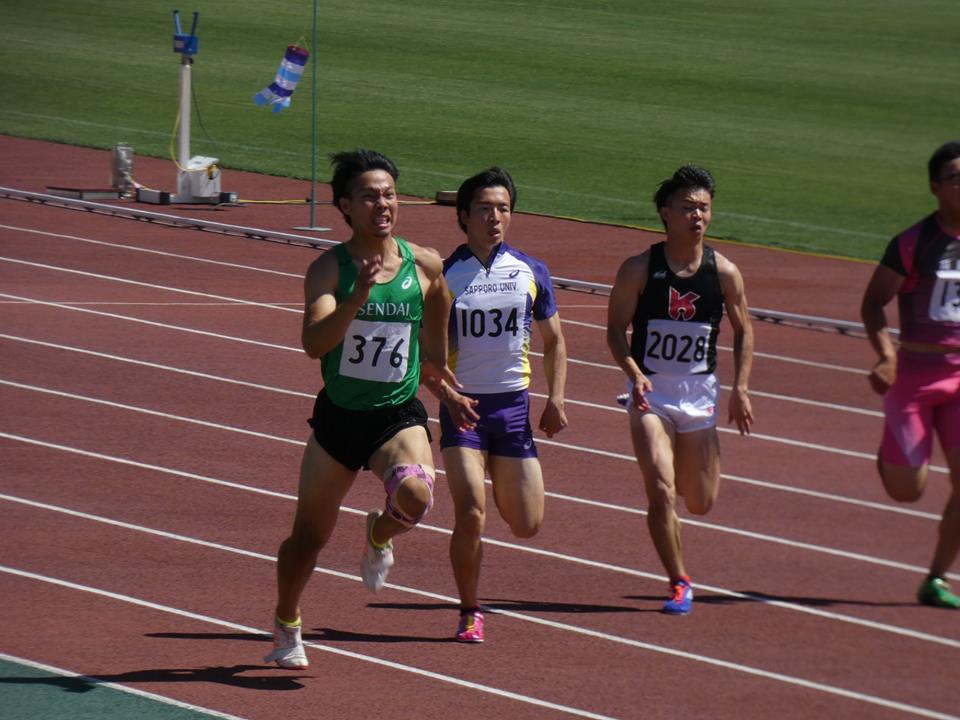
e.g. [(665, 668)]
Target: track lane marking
[(449, 679), (762, 599), (117, 686), (299, 442), (165, 288), (573, 361), (754, 435), (151, 251), (151, 286), (595, 634)]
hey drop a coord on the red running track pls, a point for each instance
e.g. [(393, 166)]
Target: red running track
[(154, 401)]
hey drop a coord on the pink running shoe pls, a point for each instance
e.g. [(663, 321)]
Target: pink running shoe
[(470, 629)]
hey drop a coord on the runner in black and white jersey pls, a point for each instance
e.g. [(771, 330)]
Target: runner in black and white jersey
[(674, 295)]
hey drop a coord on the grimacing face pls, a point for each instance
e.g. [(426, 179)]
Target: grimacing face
[(372, 204)]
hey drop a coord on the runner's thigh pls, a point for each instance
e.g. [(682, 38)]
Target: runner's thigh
[(323, 484), (518, 490), (652, 438), (697, 465), (465, 470), (410, 446)]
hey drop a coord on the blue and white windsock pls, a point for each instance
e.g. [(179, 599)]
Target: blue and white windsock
[(279, 91)]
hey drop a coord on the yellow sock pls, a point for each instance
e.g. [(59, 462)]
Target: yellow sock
[(378, 546), (287, 623)]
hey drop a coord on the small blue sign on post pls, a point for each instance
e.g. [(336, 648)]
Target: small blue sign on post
[(185, 44)]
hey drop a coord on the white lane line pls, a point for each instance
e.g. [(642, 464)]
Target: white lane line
[(151, 251), (527, 699), (796, 607), (165, 288), (108, 303), (756, 353), (820, 404), (269, 388), (156, 366), (96, 682), (152, 323), (885, 507), (153, 413), (573, 361), (599, 635), (152, 286), (755, 436), (299, 442)]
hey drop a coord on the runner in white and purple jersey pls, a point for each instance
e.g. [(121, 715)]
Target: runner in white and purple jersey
[(498, 293), (920, 382)]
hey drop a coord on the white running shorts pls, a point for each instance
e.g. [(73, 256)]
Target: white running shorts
[(689, 402)]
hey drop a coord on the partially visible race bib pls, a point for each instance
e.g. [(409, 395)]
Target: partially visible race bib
[(945, 298), (376, 351), (675, 347)]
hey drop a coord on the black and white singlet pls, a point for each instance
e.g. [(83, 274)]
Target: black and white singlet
[(677, 319)]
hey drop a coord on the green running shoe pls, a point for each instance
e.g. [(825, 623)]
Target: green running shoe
[(937, 593)]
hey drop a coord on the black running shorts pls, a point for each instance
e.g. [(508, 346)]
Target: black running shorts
[(352, 436)]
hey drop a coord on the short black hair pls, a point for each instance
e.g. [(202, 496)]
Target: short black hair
[(351, 164), (491, 177), (686, 177), (946, 153)]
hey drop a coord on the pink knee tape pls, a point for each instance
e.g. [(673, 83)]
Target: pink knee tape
[(396, 476)]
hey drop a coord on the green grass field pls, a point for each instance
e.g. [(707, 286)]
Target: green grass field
[(816, 116)]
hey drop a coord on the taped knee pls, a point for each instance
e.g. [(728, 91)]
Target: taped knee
[(395, 477)]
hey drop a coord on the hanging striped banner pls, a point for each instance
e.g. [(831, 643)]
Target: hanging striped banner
[(277, 93)]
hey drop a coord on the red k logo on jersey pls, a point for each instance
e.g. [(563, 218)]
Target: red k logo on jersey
[(682, 306)]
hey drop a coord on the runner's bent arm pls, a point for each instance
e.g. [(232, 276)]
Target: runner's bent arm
[(735, 301), (630, 282), (434, 373), (554, 419), (883, 287), (324, 322)]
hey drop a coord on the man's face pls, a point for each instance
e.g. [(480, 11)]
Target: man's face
[(488, 219), (947, 187), (372, 204), (688, 214)]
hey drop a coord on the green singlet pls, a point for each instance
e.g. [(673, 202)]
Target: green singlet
[(378, 362)]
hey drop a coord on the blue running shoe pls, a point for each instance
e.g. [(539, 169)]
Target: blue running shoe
[(681, 598)]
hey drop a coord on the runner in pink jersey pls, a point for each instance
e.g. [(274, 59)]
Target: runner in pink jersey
[(920, 382)]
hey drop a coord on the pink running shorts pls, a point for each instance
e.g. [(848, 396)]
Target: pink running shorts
[(925, 397)]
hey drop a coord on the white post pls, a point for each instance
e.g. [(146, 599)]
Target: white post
[(183, 134)]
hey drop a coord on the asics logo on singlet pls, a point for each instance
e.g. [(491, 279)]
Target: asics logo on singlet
[(514, 273), (682, 306), (406, 283), (660, 275)]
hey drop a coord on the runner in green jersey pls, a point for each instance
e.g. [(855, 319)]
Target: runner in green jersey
[(369, 305), (376, 365)]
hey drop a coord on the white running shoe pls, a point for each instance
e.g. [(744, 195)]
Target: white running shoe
[(288, 651), (376, 561)]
